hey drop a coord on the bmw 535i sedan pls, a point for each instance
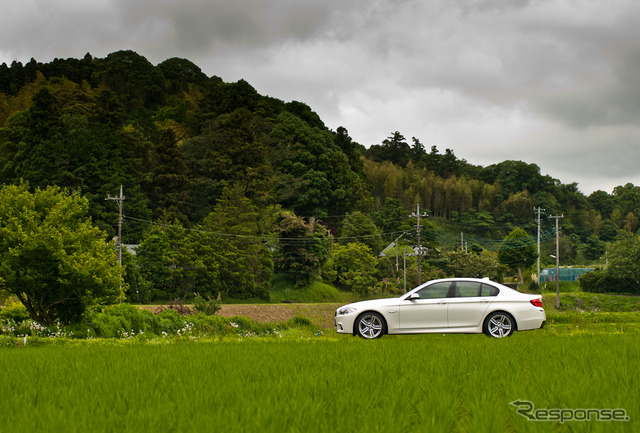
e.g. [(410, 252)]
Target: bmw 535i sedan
[(451, 305)]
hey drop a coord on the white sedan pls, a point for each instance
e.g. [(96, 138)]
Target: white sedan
[(451, 305)]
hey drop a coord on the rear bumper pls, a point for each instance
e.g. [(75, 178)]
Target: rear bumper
[(532, 321)]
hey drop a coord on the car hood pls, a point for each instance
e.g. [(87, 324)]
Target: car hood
[(363, 305)]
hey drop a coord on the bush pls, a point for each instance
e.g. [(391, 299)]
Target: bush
[(208, 307), (322, 292), (122, 320), (601, 281), (13, 311), (300, 321)]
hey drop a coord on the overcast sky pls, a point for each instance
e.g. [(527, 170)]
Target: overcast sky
[(553, 82)]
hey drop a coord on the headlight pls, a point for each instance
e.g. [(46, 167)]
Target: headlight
[(345, 310)]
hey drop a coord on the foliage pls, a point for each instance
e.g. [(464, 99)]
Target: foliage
[(623, 273), (358, 227), (303, 248), (177, 140), (243, 260), (605, 281), (173, 263), (474, 265), (52, 258), (14, 311), (206, 306), (352, 266), (284, 290), (624, 258), (518, 251)]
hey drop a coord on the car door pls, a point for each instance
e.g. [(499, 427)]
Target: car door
[(469, 303), (428, 311)]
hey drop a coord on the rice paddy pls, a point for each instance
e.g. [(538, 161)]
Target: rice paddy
[(457, 383)]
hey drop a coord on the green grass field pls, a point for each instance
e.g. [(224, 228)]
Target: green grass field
[(435, 383), (235, 375)]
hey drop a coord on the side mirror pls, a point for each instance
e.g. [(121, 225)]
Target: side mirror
[(414, 296)]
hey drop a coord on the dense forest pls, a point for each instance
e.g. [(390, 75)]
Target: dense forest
[(265, 180)]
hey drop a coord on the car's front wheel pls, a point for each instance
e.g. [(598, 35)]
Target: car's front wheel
[(499, 325), (370, 325)]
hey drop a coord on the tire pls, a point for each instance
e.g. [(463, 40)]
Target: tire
[(370, 325), (499, 325)]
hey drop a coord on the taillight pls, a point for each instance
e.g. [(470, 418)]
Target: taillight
[(536, 303)]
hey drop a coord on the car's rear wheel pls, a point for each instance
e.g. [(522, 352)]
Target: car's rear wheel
[(499, 325), (370, 325)]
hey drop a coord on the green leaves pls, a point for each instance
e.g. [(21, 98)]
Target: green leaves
[(51, 257), (518, 251), (302, 247), (353, 266)]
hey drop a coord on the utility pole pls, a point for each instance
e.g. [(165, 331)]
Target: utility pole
[(538, 212), (557, 217), (419, 252), (404, 268), (119, 199), (396, 242)]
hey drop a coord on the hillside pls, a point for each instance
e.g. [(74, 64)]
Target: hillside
[(178, 141)]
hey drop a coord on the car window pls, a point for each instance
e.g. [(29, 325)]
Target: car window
[(488, 290), (467, 289), (436, 290)]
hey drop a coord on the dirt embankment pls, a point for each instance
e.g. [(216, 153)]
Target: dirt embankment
[(320, 315)]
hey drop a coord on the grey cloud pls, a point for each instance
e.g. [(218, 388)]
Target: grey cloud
[(518, 78), (204, 26)]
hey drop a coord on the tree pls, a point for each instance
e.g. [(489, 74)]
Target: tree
[(602, 202), (358, 227), (353, 266), (394, 149), (302, 247), (41, 155), (392, 217), (474, 265), (127, 72), (155, 264), (518, 251), (627, 198), (51, 257), (170, 183), (243, 260), (515, 176), (175, 262), (624, 257)]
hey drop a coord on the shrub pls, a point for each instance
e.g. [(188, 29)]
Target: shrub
[(207, 306), (13, 311), (601, 281), (300, 321), (322, 292), (176, 305), (122, 320)]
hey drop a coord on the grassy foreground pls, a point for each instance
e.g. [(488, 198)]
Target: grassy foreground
[(459, 383)]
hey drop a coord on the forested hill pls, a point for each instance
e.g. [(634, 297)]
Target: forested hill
[(177, 139)]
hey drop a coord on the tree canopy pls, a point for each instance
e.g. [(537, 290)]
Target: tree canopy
[(51, 257)]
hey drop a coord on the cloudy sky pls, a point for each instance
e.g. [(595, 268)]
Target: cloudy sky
[(550, 82)]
